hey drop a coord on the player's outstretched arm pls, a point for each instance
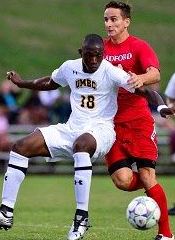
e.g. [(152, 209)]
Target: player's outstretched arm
[(41, 84), (156, 100)]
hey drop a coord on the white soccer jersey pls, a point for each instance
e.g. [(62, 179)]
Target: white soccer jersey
[(170, 89), (93, 95)]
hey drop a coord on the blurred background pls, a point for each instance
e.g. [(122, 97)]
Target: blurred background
[(36, 36)]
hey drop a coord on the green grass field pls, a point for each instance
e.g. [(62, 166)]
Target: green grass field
[(45, 209)]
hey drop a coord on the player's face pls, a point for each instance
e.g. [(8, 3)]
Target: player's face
[(115, 24), (92, 58)]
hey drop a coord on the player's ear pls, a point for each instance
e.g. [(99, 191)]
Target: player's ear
[(127, 22), (80, 51)]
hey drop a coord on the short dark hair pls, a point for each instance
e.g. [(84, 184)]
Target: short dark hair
[(125, 8), (93, 39)]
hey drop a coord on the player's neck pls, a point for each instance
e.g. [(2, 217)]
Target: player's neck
[(120, 38)]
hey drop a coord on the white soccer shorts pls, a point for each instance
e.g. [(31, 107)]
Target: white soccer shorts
[(60, 138)]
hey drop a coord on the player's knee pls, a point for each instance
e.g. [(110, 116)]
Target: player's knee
[(122, 182), (18, 147), (85, 143), (79, 146), (83, 146)]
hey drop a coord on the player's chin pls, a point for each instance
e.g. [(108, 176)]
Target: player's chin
[(93, 69), (114, 33), (111, 33)]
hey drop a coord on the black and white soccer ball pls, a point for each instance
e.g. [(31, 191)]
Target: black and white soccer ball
[(143, 213)]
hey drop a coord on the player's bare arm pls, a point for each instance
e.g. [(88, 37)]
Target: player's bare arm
[(41, 84), (155, 99), (151, 76)]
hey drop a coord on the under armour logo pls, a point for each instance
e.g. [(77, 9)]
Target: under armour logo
[(78, 217), (80, 182), (74, 72), (5, 178)]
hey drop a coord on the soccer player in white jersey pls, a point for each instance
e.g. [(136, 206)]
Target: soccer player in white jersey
[(87, 135)]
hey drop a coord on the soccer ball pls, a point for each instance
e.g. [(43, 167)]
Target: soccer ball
[(143, 213)]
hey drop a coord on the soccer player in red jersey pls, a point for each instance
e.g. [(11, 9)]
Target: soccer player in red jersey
[(134, 124)]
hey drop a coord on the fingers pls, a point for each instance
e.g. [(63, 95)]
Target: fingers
[(10, 75), (120, 66), (167, 113), (138, 85), (134, 80), (171, 111), (134, 84)]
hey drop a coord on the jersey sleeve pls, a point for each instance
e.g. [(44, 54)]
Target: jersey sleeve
[(147, 56), (59, 75), (120, 77), (170, 89)]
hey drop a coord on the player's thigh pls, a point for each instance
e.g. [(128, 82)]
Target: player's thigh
[(115, 155), (144, 140), (32, 145), (85, 143), (105, 136), (59, 139)]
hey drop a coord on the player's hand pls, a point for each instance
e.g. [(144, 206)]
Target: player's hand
[(135, 81), (14, 77), (120, 66), (166, 112)]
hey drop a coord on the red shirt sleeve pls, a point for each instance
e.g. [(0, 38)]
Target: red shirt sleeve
[(147, 56)]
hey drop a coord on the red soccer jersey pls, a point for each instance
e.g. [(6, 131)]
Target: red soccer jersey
[(134, 55)]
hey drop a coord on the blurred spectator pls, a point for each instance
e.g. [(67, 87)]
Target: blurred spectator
[(170, 91), (170, 99), (33, 112), (162, 123), (34, 107), (62, 107), (8, 100), (48, 100), (58, 104), (167, 124), (45, 107), (172, 145), (4, 136)]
